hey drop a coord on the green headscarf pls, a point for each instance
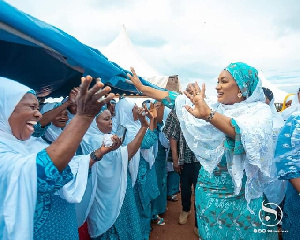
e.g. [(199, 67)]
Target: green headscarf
[(246, 77)]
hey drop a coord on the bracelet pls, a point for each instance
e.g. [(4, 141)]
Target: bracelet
[(211, 115), (94, 157)]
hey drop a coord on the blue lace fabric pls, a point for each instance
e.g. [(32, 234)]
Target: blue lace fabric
[(39, 131), (49, 180), (287, 153), (234, 145), (287, 156)]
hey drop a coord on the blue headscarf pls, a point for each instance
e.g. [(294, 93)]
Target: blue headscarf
[(246, 77), (32, 92)]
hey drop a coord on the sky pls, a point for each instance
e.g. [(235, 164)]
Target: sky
[(195, 39)]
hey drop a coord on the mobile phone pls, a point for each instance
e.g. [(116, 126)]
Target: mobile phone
[(121, 132), (146, 103)]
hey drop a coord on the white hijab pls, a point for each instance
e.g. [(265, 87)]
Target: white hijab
[(254, 119), (295, 107), (103, 201), (18, 172), (124, 116)]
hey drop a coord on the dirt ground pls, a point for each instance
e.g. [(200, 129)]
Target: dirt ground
[(172, 230)]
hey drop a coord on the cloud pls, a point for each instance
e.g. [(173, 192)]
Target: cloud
[(195, 39)]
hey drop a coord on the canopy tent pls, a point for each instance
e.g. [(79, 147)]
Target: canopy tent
[(43, 56), (122, 51)]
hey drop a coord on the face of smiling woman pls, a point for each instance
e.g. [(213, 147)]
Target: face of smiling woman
[(25, 115), (227, 89)]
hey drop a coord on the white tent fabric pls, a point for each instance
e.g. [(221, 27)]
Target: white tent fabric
[(279, 95), (122, 51)]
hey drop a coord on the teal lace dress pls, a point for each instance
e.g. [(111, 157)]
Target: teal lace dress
[(54, 217), (145, 187)]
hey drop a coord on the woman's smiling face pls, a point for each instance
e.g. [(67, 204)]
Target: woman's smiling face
[(227, 89), (25, 115)]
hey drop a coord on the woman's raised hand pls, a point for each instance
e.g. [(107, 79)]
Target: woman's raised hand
[(135, 79), (90, 101), (142, 117), (196, 95), (152, 112)]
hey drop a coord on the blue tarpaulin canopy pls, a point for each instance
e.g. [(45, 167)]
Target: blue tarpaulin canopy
[(42, 56)]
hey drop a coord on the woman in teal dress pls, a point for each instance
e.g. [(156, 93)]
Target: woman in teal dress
[(31, 170), (146, 188), (232, 139), (288, 165)]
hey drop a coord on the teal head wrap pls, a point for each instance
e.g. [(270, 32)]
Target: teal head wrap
[(32, 92), (102, 110), (246, 77)]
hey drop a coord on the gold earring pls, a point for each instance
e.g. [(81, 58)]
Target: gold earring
[(239, 95)]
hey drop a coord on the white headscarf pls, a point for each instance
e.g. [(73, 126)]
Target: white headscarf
[(103, 201), (254, 119), (18, 172), (124, 116), (295, 107)]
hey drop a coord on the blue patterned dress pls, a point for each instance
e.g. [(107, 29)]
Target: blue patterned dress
[(54, 217), (288, 165), (145, 188), (127, 225), (159, 204)]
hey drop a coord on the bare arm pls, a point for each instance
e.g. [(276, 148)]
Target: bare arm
[(296, 184), (202, 111), (160, 113), (49, 116), (63, 149), (175, 158), (148, 91), (135, 144)]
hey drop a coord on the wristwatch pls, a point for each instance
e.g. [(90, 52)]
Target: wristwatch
[(94, 157)]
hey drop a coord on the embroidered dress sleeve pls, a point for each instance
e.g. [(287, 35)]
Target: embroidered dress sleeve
[(49, 179), (234, 145), (149, 139), (287, 156), (169, 101), (39, 131)]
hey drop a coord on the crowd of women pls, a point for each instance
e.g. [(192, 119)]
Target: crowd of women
[(92, 163)]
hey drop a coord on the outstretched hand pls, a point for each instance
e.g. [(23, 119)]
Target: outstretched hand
[(196, 95), (135, 79), (152, 112), (72, 96), (90, 101)]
